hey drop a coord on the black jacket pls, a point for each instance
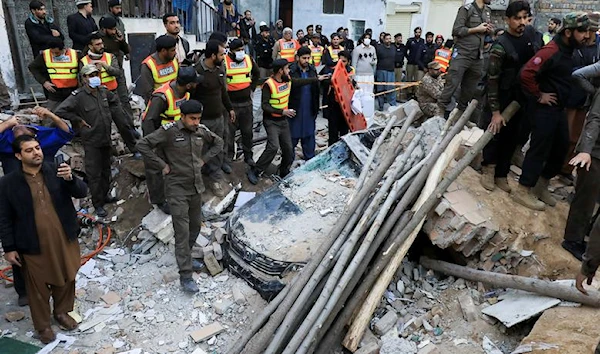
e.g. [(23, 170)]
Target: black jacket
[(40, 33), (264, 52), (17, 221), (414, 51), (297, 85), (79, 29), (428, 54)]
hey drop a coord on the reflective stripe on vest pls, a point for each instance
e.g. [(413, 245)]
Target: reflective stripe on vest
[(287, 49), (162, 73), (315, 54), (352, 71), (63, 74), (172, 113), (109, 81), (238, 74), (280, 94), (333, 53), (443, 57)]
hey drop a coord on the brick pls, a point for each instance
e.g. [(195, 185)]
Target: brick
[(208, 249), (457, 222), (202, 241), (111, 298), (207, 332), (442, 207), (217, 250), (385, 323), (367, 338), (429, 349), (370, 348), (458, 196), (156, 220), (474, 217), (470, 312), (221, 306), (212, 264), (167, 234), (220, 235)]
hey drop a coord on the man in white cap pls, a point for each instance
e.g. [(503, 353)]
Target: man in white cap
[(81, 24)]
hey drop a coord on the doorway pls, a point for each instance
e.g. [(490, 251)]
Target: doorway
[(286, 8)]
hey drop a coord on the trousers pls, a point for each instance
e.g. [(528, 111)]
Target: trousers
[(466, 73), (582, 207), (186, 211), (502, 146), (154, 178), (308, 146), (19, 280), (244, 119), (97, 169), (278, 137), (575, 120), (337, 125), (390, 97), (212, 167), (39, 300)]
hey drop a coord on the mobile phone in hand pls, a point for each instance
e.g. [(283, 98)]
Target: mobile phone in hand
[(59, 160)]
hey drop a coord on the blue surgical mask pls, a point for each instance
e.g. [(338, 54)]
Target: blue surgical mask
[(95, 81), (239, 56), (61, 57)]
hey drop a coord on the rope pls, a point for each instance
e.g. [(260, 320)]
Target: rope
[(99, 247)]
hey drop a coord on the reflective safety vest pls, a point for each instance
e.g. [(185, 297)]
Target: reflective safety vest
[(63, 73), (352, 71), (238, 74), (162, 73), (443, 57), (316, 52), (109, 81), (280, 94), (287, 49), (172, 113), (334, 53)]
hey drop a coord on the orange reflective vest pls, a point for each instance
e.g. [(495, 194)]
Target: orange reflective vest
[(162, 73), (287, 49), (280, 94), (352, 71), (172, 113), (109, 81), (443, 57), (63, 73), (333, 53), (316, 52), (238, 74)]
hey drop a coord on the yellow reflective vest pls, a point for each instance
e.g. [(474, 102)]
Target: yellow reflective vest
[(238, 74), (280, 94)]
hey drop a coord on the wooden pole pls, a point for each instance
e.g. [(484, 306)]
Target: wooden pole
[(542, 287)]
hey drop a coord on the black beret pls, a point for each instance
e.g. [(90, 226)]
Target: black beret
[(190, 107)]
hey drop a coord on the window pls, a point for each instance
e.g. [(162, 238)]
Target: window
[(333, 6), (357, 28)]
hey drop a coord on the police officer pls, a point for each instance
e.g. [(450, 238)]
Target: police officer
[(163, 109), (56, 70), (91, 110), (242, 75), (158, 68), (111, 76), (182, 143)]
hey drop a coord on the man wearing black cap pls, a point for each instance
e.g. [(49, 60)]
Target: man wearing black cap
[(264, 52), (183, 143), (324, 39), (81, 24), (163, 109), (242, 78), (115, 11), (40, 28), (158, 68), (275, 98), (212, 93), (114, 40)]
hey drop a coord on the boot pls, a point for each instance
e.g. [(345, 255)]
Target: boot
[(197, 265), (577, 249), (524, 196), (487, 177), (502, 183), (252, 174), (541, 191), (188, 285)]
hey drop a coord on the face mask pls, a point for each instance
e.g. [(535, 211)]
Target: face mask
[(239, 56), (95, 81), (367, 41), (61, 57)]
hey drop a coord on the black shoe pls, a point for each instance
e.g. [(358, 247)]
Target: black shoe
[(110, 200), (577, 249), (250, 162), (252, 175), (101, 212), (197, 265), (164, 206), (226, 168), (23, 301), (137, 156), (189, 285)]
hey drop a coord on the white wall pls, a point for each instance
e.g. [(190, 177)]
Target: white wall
[(311, 12), (6, 62), (418, 19)]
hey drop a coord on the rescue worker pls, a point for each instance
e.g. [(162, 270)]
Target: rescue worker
[(162, 109), (472, 24), (443, 56), (330, 56), (81, 24), (158, 68), (91, 110), (242, 76), (114, 40), (337, 124), (286, 47), (56, 70), (546, 78), (275, 100), (430, 89), (212, 93), (316, 50), (111, 76), (508, 55), (186, 144)]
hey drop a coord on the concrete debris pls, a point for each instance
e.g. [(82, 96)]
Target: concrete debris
[(385, 323), (159, 224), (238, 296), (14, 316), (207, 332), (371, 348), (517, 306), (489, 347), (469, 310)]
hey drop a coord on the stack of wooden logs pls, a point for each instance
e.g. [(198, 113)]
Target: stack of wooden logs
[(331, 301)]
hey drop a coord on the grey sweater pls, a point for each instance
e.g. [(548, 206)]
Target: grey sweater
[(364, 60)]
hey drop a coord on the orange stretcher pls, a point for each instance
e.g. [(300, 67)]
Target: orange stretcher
[(343, 90)]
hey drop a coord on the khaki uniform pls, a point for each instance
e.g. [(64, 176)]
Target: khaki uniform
[(182, 150), (428, 93)]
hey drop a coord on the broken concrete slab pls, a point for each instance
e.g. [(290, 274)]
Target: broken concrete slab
[(217, 251), (156, 220), (517, 306), (221, 306), (238, 296), (370, 348), (469, 310), (385, 323), (212, 264), (111, 298), (207, 332)]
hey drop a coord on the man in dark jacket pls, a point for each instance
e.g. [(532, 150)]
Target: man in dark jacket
[(386, 57), (428, 50), (115, 11), (414, 52), (264, 52), (81, 24), (304, 99), (114, 41), (546, 79), (39, 229), (91, 110), (40, 28), (248, 32)]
